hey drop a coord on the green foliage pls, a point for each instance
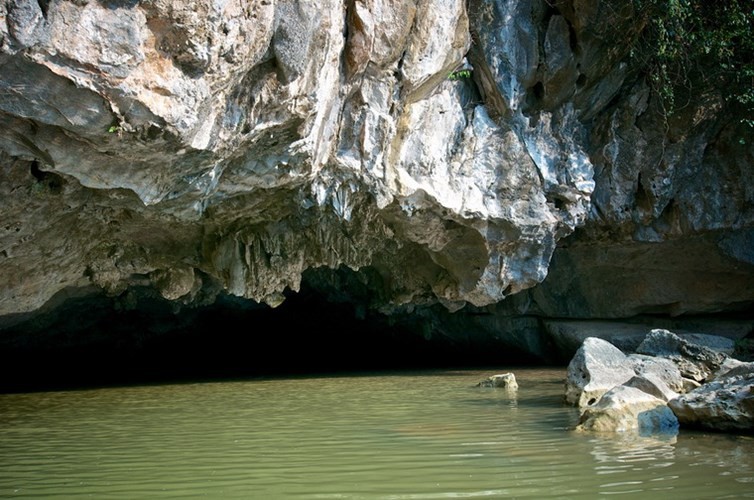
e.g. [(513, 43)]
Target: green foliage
[(457, 75), (113, 129), (692, 46)]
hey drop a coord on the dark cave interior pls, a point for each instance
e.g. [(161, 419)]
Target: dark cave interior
[(94, 341), (331, 325)]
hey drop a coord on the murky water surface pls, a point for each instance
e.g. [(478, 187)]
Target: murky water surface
[(399, 436)]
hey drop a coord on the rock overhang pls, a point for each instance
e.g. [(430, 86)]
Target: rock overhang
[(233, 147)]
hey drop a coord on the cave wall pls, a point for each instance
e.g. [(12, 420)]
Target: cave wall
[(210, 148)]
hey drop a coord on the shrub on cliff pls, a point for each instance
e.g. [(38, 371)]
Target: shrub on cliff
[(689, 47)]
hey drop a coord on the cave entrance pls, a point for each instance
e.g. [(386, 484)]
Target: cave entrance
[(326, 327)]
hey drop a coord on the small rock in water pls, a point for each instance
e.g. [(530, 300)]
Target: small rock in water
[(503, 380)]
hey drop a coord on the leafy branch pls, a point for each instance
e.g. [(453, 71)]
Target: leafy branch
[(693, 46)]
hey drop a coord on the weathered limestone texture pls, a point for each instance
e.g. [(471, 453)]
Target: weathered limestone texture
[(228, 146), (732, 368), (723, 405), (233, 145), (653, 385), (661, 369), (625, 409), (694, 361), (650, 401), (597, 367)]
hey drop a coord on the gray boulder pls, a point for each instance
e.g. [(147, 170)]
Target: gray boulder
[(717, 343), (629, 409), (662, 368), (503, 380), (723, 405), (694, 361), (597, 367)]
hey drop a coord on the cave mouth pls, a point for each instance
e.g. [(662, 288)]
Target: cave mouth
[(97, 341)]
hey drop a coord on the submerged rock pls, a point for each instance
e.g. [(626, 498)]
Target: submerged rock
[(620, 393), (504, 381), (597, 367)]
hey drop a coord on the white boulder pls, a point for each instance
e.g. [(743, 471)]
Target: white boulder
[(597, 367), (629, 409)]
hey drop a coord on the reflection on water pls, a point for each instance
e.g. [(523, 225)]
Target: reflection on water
[(620, 455), (705, 460), (410, 436)]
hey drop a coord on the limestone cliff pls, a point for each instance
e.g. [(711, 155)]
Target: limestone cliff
[(446, 147)]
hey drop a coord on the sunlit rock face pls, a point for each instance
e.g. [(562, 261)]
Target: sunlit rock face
[(228, 146)]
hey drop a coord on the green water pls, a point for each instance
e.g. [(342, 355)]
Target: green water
[(397, 436)]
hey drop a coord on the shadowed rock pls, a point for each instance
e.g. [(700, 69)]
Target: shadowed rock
[(724, 405), (694, 361), (716, 343)]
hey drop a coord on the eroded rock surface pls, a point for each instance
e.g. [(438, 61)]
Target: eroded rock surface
[(649, 401), (725, 405), (694, 361), (204, 147), (733, 368), (597, 367), (234, 145), (652, 385), (662, 369), (626, 408)]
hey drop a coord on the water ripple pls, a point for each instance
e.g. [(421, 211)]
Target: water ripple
[(381, 437)]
